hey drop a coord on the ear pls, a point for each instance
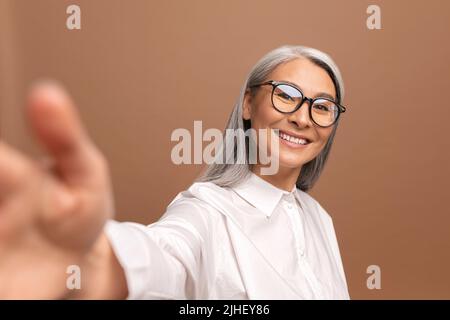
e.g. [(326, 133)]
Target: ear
[(247, 105)]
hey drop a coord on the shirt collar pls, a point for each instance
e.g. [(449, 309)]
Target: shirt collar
[(261, 194)]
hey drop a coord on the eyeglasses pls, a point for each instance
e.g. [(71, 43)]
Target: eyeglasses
[(287, 98)]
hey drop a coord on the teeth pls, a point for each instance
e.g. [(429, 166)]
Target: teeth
[(292, 139)]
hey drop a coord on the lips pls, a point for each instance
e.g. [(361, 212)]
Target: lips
[(294, 138)]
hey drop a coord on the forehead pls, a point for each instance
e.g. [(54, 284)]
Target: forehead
[(309, 77)]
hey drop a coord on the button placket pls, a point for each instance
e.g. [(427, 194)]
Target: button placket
[(301, 230), (312, 279), (294, 216)]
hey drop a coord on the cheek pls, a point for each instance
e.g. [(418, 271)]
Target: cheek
[(323, 134), (265, 116)]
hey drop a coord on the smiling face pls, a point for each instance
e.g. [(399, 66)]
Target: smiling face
[(314, 82)]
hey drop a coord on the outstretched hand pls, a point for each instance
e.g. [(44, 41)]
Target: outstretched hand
[(51, 213)]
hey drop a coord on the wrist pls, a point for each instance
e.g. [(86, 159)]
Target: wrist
[(101, 275)]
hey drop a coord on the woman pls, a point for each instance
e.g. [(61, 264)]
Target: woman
[(235, 233)]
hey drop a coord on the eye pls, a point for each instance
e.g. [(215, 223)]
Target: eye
[(321, 107), (285, 96), (324, 106)]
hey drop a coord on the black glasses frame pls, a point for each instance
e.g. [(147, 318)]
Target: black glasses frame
[(274, 84)]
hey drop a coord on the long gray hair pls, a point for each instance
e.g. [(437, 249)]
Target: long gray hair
[(231, 173)]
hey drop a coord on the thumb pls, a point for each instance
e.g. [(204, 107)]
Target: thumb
[(56, 123)]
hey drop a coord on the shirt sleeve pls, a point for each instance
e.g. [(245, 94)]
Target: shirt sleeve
[(161, 260)]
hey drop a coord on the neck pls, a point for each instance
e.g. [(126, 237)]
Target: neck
[(285, 178)]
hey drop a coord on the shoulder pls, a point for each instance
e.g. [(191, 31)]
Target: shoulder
[(321, 217), (196, 202), (314, 206), (197, 194)]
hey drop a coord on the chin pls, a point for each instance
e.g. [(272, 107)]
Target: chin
[(291, 163), (292, 159)]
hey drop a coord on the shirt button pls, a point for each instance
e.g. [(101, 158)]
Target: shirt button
[(289, 206), (302, 253)]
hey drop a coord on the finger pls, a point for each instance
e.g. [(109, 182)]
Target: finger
[(17, 174), (56, 123), (46, 163), (15, 170), (26, 190)]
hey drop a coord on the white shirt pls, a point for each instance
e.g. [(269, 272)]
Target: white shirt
[(253, 241)]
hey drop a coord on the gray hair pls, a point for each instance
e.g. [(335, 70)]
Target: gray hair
[(231, 173)]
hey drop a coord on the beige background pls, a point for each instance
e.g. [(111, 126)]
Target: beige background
[(140, 69)]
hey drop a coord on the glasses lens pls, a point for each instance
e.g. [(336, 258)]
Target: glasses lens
[(324, 112), (285, 98)]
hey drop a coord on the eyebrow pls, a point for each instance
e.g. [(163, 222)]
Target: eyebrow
[(318, 95), (324, 95)]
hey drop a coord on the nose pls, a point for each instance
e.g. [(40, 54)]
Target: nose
[(301, 116)]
